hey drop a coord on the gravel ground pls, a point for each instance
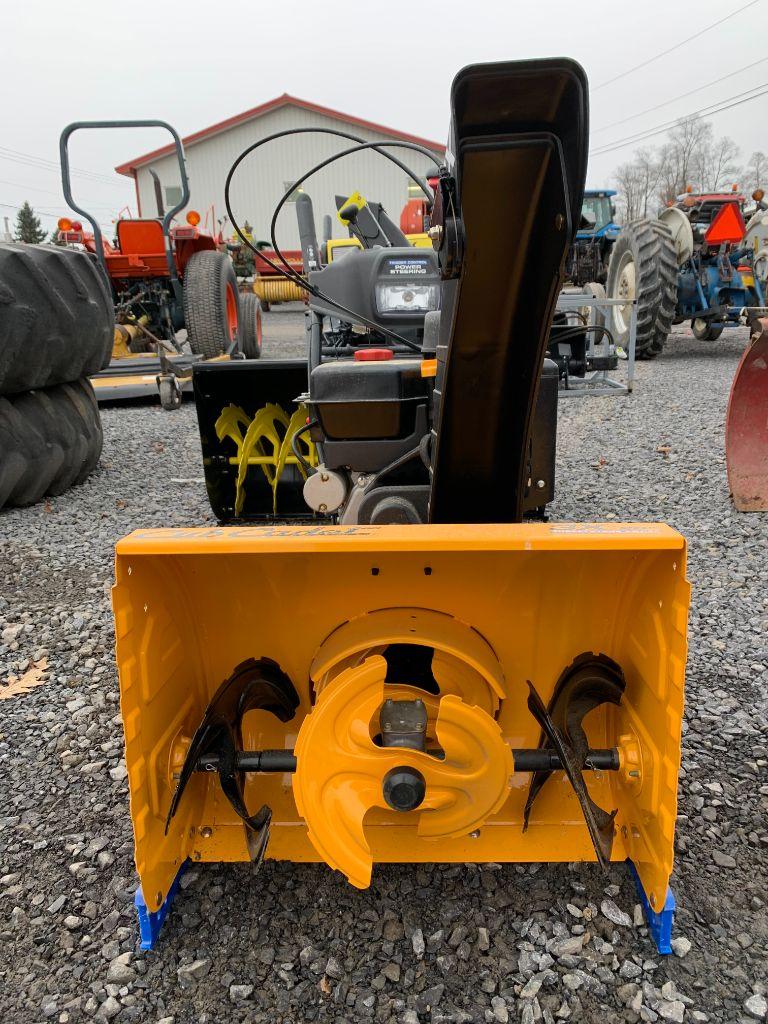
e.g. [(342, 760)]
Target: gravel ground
[(425, 945)]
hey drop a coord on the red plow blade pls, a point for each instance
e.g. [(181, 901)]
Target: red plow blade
[(746, 426)]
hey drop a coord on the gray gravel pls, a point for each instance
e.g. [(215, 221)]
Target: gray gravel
[(424, 945)]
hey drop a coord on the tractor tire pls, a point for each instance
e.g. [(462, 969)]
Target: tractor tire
[(635, 272), (50, 440), (56, 317), (705, 330), (211, 303), (250, 325), (668, 269)]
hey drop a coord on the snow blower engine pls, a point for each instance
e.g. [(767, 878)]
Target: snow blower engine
[(382, 679)]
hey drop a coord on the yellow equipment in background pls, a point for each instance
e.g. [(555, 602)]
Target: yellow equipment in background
[(276, 289), (338, 247), (194, 606), (420, 241)]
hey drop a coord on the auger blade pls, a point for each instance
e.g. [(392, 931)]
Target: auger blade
[(253, 686), (340, 770), (591, 680)]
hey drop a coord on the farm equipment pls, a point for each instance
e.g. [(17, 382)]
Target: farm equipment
[(273, 287), (583, 347), (590, 252), (716, 282), (164, 278), (756, 236), (693, 263), (386, 683), (746, 425)]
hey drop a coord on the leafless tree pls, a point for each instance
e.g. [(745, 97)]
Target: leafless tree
[(691, 155), (637, 183), (649, 172), (755, 174), (679, 155), (715, 165)]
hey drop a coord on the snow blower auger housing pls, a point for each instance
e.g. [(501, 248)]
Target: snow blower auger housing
[(385, 688)]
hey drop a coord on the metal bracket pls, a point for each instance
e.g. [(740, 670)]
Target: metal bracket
[(446, 228), (659, 925), (151, 921), (598, 382)]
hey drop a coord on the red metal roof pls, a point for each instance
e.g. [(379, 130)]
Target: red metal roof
[(285, 100)]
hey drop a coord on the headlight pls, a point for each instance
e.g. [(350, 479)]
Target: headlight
[(407, 298)]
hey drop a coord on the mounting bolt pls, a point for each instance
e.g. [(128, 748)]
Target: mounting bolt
[(541, 484), (559, 222), (435, 232), (322, 507), (324, 477), (475, 834), (206, 831)]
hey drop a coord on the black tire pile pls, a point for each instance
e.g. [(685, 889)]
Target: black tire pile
[(56, 329)]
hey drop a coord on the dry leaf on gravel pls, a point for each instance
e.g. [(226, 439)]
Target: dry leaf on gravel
[(15, 686)]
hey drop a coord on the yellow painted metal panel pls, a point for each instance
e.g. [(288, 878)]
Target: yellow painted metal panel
[(190, 604)]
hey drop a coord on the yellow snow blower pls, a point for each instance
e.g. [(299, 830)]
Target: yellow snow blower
[(408, 671)]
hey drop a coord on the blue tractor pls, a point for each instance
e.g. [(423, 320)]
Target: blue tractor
[(588, 256), (717, 286), (695, 262)]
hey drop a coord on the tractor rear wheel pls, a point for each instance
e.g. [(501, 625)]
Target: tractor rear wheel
[(705, 330), (56, 316), (211, 303), (668, 267), (637, 272), (50, 440), (250, 325)]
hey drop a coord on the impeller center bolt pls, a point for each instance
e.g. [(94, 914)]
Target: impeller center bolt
[(404, 788)]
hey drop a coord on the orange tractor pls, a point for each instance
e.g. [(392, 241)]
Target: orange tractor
[(164, 277)]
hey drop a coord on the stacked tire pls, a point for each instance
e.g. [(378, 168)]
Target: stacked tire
[(643, 268), (56, 329)]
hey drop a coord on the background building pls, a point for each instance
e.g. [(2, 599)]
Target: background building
[(267, 174)]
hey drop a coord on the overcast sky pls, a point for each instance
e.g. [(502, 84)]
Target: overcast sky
[(194, 62)]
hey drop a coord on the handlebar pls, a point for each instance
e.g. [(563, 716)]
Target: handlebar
[(67, 185)]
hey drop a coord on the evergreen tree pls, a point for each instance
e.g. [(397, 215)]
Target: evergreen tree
[(28, 227)]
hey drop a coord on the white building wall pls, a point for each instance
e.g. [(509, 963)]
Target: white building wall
[(261, 179)]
